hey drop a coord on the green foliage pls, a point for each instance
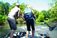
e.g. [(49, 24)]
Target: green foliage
[(12, 6), (46, 14), (22, 7), (53, 12), (4, 9), (3, 18), (49, 16), (1, 8), (40, 18)]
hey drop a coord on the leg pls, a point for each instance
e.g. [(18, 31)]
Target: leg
[(33, 34), (33, 31), (11, 33), (13, 27), (27, 34), (28, 29), (33, 28)]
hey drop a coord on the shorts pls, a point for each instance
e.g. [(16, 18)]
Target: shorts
[(30, 25), (12, 23)]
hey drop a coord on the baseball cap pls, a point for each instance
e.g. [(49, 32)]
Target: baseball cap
[(17, 3)]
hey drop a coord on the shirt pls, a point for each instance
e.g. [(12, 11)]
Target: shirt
[(27, 10), (13, 12)]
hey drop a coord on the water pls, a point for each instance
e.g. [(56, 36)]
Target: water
[(39, 30)]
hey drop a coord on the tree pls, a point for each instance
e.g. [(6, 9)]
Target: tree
[(1, 8), (3, 16), (46, 14), (22, 7), (12, 6), (6, 8)]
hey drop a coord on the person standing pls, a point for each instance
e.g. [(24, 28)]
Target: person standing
[(29, 18), (12, 16)]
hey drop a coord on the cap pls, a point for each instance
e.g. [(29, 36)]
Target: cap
[(17, 3)]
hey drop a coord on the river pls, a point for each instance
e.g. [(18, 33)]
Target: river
[(40, 29)]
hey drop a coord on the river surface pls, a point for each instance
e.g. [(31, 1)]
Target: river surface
[(40, 29)]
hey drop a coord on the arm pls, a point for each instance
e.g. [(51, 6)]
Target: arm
[(18, 13), (33, 16)]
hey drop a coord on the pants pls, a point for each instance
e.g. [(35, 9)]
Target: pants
[(12, 24), (30, 23)]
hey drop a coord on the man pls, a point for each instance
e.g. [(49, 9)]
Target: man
[(29, 18), (13, 14)]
